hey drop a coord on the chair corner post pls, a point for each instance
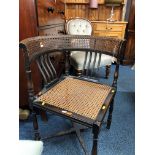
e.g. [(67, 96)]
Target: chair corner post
[(67, 64), (96, 126), (110, 115)]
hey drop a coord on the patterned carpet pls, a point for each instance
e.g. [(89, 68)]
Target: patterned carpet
[(119, 140)]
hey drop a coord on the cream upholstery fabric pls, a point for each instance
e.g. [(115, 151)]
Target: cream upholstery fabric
[(29, 147), (80, 26), (77, 59)]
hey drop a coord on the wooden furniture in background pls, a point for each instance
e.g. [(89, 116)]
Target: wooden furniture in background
[(80, 8), (51, 21), (27, 28), (129, 54), (50, 17), (82, 26), (113, 29), (33, 23)]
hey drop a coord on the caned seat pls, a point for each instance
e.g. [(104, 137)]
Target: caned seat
[(74, 97), (83, 99)]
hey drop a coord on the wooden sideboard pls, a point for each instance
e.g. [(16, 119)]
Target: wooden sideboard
[(34, 20), (116, 29), (27, 28), (129, 54), (51, 17)]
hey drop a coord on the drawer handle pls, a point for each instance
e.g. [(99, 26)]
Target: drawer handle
[(50, 9), (61, 12), (61, 32), (110, 28)]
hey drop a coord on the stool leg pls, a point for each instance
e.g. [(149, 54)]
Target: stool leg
[(95, 140), (35, 126), (78, 72), (107, 71), (110, 115)]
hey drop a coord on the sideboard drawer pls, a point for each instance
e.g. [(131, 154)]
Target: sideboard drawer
[(108, 27), (116, 29), (108, 34), (81, 1)]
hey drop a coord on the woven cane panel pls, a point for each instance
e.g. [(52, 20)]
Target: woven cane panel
[(41, 44), (77, 96)]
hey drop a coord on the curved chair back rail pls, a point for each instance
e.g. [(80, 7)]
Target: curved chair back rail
[(39, 49), (44, 44)]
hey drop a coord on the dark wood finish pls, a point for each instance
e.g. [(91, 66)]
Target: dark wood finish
[(95, 139), (129, 54), (62, 133), (35, 126), (27, 28), (67, 65), (65, 45), (107, 71), (43, 116), (51, 21), (29, 19), (110, 115), (116, 76), (46, 17)]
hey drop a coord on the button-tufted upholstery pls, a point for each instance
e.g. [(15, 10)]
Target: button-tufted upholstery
[(80, 26)]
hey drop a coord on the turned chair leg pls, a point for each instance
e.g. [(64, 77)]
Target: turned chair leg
[(43, 115), (110, 115), (35, 126), (95, 140), (107, 71)]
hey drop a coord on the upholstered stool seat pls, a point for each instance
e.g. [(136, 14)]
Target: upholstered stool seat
[(77, 59)]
